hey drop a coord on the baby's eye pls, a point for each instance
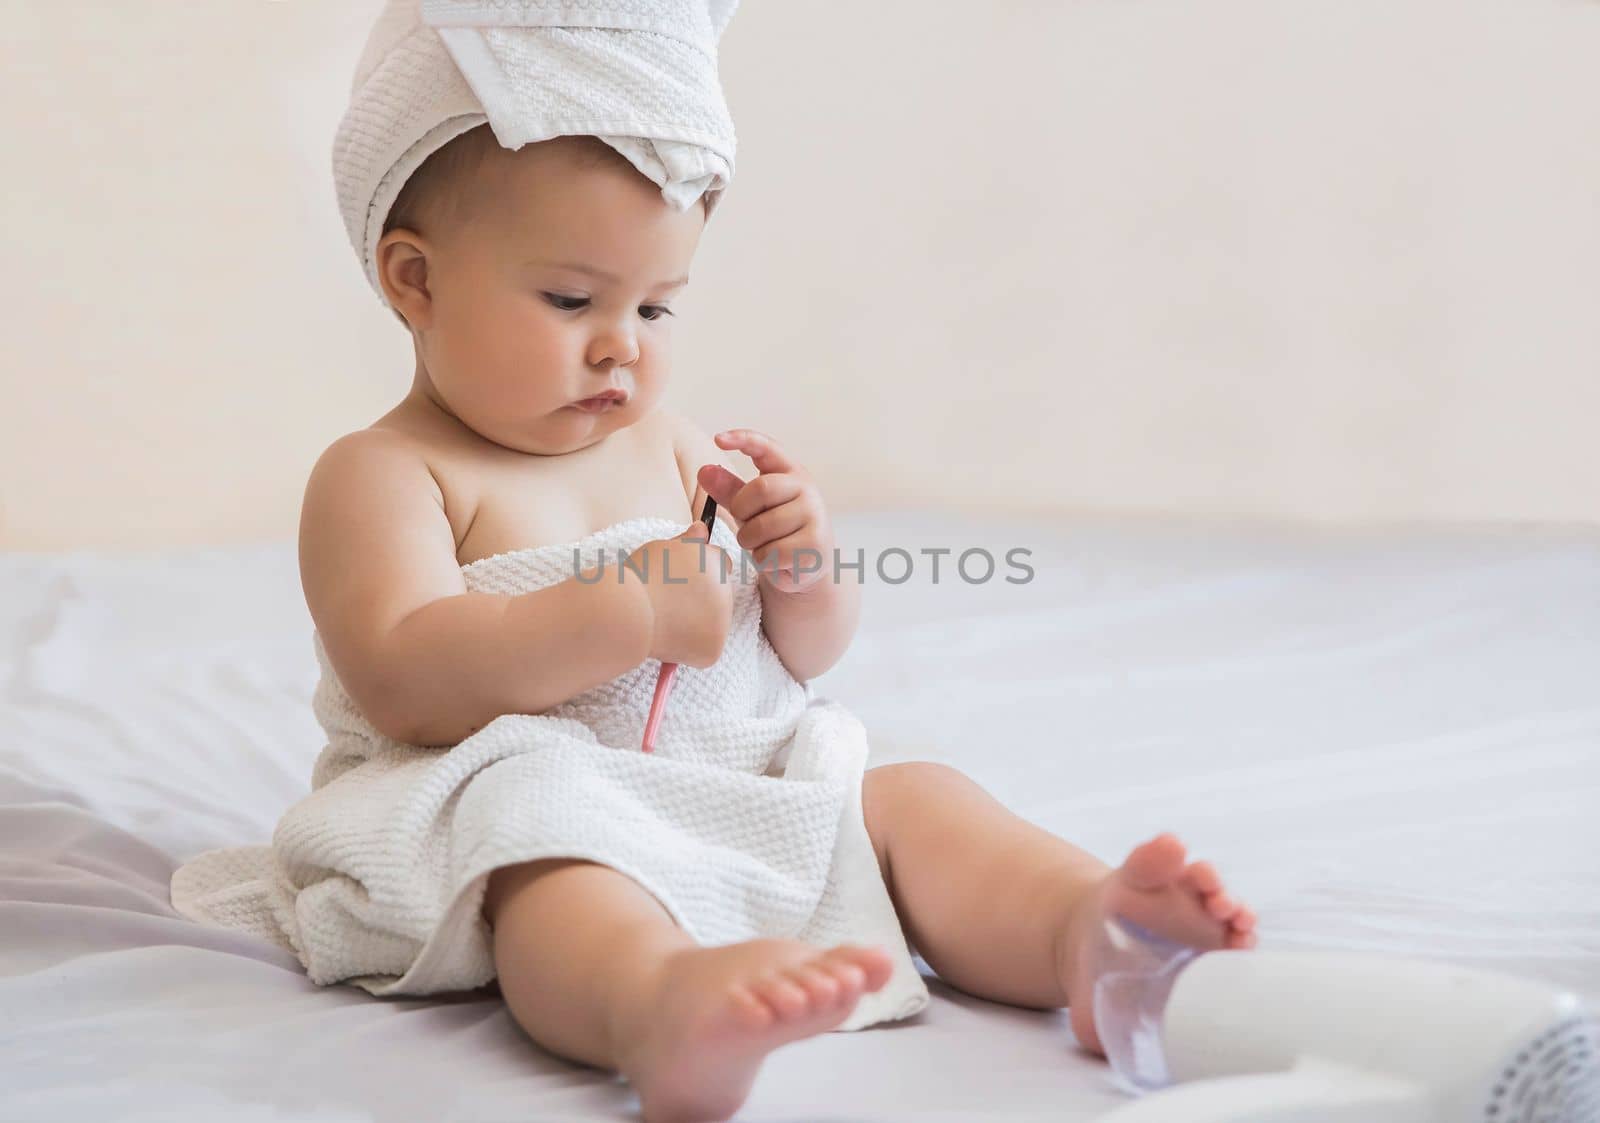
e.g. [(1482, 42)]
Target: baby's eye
[(655, 311), (566, 303)]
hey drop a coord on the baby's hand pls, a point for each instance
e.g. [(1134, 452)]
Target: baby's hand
[(686, 579), (783, 523)]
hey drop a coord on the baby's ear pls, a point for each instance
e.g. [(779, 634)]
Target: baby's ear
[(402, 259)]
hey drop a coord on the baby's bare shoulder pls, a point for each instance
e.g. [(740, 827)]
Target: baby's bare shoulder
[(358, 455), (375, 544), (369, 472)]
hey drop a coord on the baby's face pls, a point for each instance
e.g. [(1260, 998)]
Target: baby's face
[(559, 288)]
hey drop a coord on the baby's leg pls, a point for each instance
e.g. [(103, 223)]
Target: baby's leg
[(594, 969), (575, 946), (1005, 910)]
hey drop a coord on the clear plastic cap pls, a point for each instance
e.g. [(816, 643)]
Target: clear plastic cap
[(1134, 972)]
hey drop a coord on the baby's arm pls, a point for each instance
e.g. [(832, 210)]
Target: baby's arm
[(425, 661)]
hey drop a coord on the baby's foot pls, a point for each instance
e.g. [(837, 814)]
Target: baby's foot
[(717, 1012), (1157, 891)]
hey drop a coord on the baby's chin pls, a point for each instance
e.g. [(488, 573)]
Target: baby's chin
[(566, 430)]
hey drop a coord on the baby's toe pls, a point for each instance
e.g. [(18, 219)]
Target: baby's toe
[(750, 1010), (869, 967), (852, 979), (1154, 864), (1203, 878), (1244, 920), (823, 989), (1221, 906), (1240, 941), (787, 999)]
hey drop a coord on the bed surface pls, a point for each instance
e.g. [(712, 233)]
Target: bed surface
[(1387, 741)]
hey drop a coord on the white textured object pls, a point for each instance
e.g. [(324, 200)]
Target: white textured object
[(639, 74), (745, 822)]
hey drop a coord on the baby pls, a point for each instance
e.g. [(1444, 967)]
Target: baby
[(537, 286)]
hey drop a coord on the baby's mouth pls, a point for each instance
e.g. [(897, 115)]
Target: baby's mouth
[(602, 402)]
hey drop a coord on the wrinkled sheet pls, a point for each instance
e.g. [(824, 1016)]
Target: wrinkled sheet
[(1387, 741)]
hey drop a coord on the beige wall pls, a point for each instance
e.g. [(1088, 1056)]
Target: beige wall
[(1334, 261)]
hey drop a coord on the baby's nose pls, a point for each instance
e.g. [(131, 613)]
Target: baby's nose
[(617, 347)]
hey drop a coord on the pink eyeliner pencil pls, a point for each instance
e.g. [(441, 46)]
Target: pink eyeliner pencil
[(670, 670)]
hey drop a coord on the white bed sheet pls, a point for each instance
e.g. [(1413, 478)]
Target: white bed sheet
[(1385, 741)]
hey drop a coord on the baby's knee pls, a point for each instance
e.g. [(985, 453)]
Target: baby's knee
[(509, 882), (908, 781), (891, 791)]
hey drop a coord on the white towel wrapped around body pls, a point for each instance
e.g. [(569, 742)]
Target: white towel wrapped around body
[(745, 822), (641, 75)]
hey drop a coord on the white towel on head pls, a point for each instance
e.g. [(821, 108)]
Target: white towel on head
[(641, 75)]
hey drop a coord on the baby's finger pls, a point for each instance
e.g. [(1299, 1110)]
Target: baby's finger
[(771, 525), (763, 494), (792, 581), (792, 570), (763, 451), (722, 485)]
